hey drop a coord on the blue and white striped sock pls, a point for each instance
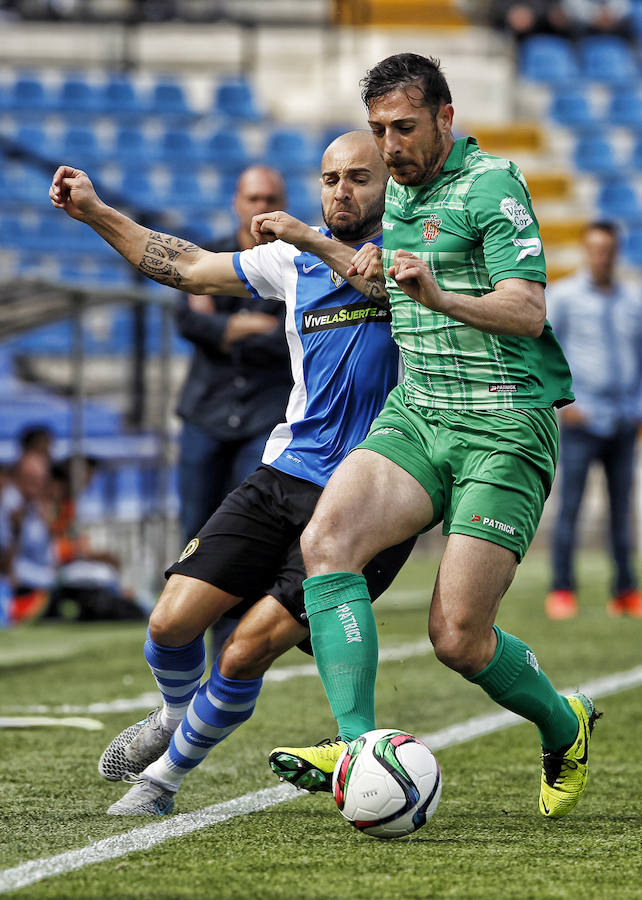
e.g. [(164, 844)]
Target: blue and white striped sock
[(178, 672), (217, 709)]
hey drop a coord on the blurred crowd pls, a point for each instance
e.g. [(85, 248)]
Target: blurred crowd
[(568, 18), (47, 567)]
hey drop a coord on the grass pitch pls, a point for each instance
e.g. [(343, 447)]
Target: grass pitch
[(486, 839)]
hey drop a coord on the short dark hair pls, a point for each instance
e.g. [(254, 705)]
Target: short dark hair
[(31, 435), (604, 225), (405, 69)]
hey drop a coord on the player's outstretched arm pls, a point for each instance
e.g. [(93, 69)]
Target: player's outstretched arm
[(164, 258), (516, 306), (368, 280)]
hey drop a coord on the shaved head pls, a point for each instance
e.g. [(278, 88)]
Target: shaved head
[(356, 145), (259, 189), (353, 183)]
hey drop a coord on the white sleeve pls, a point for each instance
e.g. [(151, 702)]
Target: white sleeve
[(261, 269)]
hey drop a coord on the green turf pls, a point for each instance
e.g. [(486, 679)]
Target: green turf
[(486, 840)]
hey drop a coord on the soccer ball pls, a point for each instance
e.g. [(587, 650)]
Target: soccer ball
[(387, 783)]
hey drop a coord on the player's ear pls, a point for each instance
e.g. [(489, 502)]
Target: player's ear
[(445, 118)]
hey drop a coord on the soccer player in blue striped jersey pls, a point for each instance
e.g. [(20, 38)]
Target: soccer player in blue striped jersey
[(344, 363)]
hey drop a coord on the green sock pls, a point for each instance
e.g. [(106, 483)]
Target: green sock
[(514, 679), (343, 632)]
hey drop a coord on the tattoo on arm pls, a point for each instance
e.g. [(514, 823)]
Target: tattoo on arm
[(379, 295), (160, 254)]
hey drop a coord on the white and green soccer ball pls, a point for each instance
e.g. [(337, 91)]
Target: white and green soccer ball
[(387, 783)]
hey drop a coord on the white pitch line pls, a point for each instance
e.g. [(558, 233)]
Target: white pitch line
[(149, 699), (150, 835), (39, 721), (142, 838)]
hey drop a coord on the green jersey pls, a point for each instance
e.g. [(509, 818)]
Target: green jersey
[(474, 225)]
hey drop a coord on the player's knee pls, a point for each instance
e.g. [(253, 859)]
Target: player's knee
[(167, 629), (456, 646), (244, 658), (321, 548)]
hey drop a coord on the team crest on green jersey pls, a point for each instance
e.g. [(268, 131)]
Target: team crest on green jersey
[(430, 229)]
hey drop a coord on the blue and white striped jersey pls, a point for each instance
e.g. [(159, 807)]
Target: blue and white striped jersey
[(344, 361)]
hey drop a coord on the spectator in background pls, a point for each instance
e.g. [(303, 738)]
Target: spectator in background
[(239, 380), (524, 19), (37, 438), (27, 555), (598, 320), (568, 18), (598, 17)]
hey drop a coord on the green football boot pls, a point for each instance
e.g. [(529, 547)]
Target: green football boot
[(310, 768)]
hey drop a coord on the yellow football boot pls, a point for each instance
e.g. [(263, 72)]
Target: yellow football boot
[(564, 774), (310, 768)]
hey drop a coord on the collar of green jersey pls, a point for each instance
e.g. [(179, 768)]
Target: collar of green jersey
[(458, 151)]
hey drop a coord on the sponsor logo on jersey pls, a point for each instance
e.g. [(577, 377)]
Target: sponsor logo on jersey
[(336, 279), (430, 229), (499, 526), (502, 388), (476, 518), (343, 316), (531, 660), (387, 430), (530, 247), (307, 269), (516, 213), (388, 226), (191, 547)]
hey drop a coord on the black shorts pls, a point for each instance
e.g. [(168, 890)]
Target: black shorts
[(250, 546)]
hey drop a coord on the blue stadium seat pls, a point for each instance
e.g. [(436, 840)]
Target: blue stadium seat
[(179, 147), (595, 155), (225, 149), (55, 338), (132, 148), (32, 138), (571, 107), (138, 190), (168, 101), (129, 501), (77, 98), (632, 244), (80, 147), (118, 97), (607, 58), (29, 98), (625, 107), (617, 199), (636, 18), (186, 192), (329, 133), (288, 150), (114, 275), (30, 185), (548, 58), (235, 99), (91, 505), (301, 201), (225, 191)]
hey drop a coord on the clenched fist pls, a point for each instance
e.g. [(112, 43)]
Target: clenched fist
[(72, 190)]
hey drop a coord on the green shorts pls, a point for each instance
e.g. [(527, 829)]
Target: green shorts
[(487, 473)]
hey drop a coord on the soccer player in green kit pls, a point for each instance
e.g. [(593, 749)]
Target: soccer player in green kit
[(469, 438)]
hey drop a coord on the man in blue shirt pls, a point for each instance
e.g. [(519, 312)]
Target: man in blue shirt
[(597, 318), (344, 362)]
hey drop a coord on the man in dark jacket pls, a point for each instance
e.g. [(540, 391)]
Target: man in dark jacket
[(239, 379)]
